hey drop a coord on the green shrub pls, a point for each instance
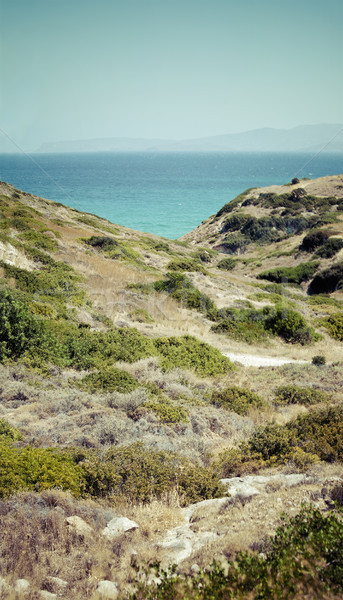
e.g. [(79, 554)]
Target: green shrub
[(104, 243), (292, 394), (227, 264), (189, 353), (298, 274), (20, 331), (233, 204), (37, 469), (323, 299), (204, 255), (85, 349), (166, 411), (240, 400), (8, 432), (112, 248), (288, 324), (271, 441), (313, 240), (321, 432), (56, 282), (181, 288), (334, 325), (234, 243), (327, 281), (235, 222), (330, 248), (244, 330), (39, 239), (185, 264), (145, 473), (319, 360), (109, 380)]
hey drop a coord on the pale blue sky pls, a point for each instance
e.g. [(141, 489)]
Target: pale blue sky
[(177, 69)]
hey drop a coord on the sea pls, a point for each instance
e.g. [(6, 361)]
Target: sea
[(167, 194)]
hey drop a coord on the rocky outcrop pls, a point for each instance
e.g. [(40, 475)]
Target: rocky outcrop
[(117, 526)]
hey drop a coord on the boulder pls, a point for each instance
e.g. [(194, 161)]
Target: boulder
[(55, 584), (79, 525), (22, 586), (45, 595), (117, 526), (107, 589)]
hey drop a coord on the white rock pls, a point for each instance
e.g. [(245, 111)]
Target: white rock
[(3, 585), (118, 525), (107, 589), (79, 525), (45, 595), (22, 586), (255, 484), (56, 582)]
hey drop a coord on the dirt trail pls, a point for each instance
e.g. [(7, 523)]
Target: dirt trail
[(251, 360)]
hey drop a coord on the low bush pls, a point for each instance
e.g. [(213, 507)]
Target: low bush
[(330, 248), (313, 240), (205, 255), (319, 360), (271, 441), (292, 394), (236, 243), (185, 264), (327, 281), (227, 264), (237, 399), (112, 248), (109, 380), (298, 274), (8, 432), (233, 204), (334, 325), (21, 332), (254, 325), (37, 469), (39, 239), (56, 282), (189, 353), (143, 474), (320, 432), (166, 411), (235, 222), (181, 288), (288, 324)]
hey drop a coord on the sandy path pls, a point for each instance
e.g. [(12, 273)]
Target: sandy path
[(250, 360)]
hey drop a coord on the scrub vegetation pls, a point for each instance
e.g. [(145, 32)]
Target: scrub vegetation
[(117, 398)]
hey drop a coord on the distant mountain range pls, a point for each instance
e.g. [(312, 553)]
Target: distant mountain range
[(304, 138)]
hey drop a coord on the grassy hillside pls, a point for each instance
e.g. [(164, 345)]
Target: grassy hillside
[(117, 396)]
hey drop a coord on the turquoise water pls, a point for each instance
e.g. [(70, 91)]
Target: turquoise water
[(167, 194)]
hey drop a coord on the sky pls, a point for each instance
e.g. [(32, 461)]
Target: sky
[(168, 69)]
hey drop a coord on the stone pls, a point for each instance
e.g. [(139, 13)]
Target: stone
[(3, 586), (55, 583), (107, 589), (22, 586), (45, 595), (79, 525), (117, 526)]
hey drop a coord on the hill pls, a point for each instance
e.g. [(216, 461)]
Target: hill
[(165, 401), (304, 138)]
